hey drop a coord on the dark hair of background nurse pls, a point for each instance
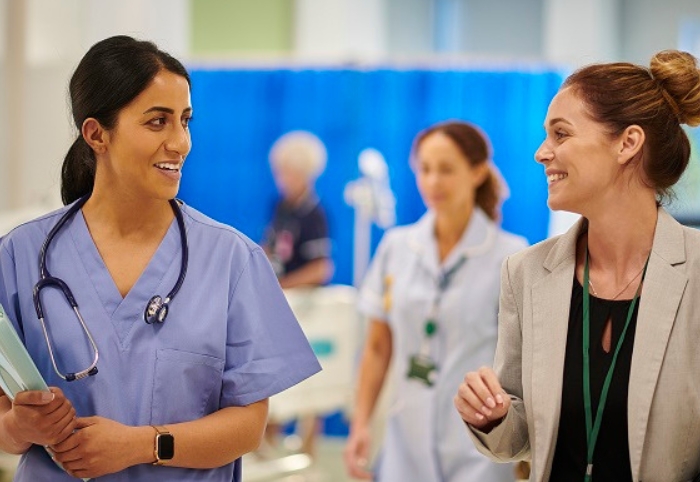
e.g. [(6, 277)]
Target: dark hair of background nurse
[(473, 144)]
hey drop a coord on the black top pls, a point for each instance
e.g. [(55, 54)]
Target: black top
[(297, 235), (611, 460)]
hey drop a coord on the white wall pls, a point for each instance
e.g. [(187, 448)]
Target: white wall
[(36, 111), (651, 25), (4, 94), (345, 30), (581, 32), (501, 29), (409, 28), (508, 29)]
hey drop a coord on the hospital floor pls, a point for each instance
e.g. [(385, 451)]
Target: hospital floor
[(327, 467)]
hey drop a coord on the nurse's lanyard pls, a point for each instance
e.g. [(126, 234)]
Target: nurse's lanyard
[(156, 310), (593, 427), (421, 366)]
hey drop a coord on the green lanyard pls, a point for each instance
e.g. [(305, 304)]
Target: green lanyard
[(431, 324), (592, 428)]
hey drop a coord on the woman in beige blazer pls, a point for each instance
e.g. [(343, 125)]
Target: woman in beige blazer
[(597, 369)]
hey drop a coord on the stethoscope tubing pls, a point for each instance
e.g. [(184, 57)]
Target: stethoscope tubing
[(46, 280), (184, 260)]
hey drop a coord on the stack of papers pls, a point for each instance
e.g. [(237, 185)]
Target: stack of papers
[(17, 370)]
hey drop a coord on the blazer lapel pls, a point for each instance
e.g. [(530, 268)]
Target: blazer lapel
[(661, 295), (551, 302)]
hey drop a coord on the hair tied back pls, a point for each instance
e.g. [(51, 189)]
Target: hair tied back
[(667, 97)]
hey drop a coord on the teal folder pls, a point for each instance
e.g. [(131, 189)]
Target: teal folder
[(17, 370)]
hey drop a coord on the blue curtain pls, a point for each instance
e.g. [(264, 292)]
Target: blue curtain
[(238, 114)]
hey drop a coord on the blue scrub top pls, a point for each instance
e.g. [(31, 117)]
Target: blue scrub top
[(230, 338)]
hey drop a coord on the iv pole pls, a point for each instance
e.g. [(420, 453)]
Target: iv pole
[(374, 203)]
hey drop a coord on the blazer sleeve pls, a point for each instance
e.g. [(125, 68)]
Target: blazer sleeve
[(509, 440)]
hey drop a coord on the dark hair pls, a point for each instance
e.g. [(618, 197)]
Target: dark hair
[(110, 75), (658, 99), (475, 146)]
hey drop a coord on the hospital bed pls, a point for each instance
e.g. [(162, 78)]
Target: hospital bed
[(330, 321)]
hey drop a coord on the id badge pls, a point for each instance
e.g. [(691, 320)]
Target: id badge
[(422, 368)]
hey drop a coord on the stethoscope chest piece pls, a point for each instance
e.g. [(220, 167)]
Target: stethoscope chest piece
[(156, 310)]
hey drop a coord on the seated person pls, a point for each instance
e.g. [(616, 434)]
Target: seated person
[(297, 240)]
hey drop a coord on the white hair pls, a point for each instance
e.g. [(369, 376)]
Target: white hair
[(300, 150)]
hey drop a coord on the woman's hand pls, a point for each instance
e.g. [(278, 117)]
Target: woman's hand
[(480, 399), (356, 453), (98, 447), (41, 417)]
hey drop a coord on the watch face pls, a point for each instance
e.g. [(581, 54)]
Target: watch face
[(166, 446)]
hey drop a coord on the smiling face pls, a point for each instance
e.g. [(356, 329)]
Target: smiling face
[(446, 180), (580, 158), (142, 156)]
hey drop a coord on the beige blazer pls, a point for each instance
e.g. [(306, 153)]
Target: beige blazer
[(664, 386)]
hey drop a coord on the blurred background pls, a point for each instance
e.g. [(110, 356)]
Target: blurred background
[(358, 73)]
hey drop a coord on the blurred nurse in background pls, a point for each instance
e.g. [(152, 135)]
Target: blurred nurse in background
[(431, 294), (296, 240)]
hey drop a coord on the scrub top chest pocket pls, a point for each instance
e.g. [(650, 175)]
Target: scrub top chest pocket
[(186, 386)]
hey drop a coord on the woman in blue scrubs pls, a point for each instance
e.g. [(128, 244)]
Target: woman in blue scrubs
[(431, 295), (177, 400)]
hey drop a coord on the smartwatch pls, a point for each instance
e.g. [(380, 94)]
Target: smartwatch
[(164, 445)]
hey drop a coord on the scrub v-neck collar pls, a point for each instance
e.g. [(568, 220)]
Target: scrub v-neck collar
[(124, 311)]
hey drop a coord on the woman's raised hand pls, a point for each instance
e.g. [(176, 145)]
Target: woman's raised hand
[(480, 399)]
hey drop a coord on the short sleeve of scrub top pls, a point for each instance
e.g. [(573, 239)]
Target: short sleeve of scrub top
[(374, 289), (262, 358), (230, 338)]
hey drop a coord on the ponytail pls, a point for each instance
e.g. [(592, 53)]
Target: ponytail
[(474, 144), (488, 195), (78, 171), (109, 76)]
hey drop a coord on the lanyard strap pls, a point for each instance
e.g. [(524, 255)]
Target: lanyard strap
[(593, 427), (431, 325)]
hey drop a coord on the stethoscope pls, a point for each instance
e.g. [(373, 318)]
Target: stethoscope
[(156, 311)]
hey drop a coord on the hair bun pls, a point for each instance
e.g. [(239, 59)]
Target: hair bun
[(677, 74)]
